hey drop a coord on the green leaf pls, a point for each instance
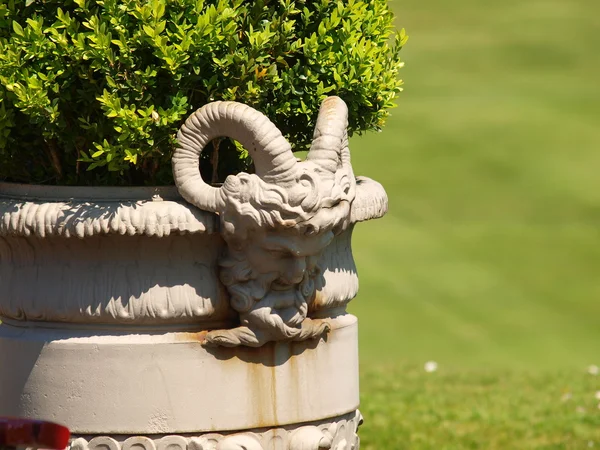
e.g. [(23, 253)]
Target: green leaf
[(17, 28), (149, 30)]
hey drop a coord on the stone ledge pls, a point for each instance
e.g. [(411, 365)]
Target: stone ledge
[(170, 384)]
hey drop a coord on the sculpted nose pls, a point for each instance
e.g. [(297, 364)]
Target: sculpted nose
[(296, 269)]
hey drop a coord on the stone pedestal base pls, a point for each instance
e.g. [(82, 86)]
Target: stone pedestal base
[(156, 391)]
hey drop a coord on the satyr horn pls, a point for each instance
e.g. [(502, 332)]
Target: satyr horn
[(270, 151), (330, 139)]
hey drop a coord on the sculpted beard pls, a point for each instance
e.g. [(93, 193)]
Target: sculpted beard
[(258, 304)]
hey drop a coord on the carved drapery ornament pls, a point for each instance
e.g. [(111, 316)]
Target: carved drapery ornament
[(276, 222)]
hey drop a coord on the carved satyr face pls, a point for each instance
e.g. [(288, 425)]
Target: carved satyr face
[(286, 263), (269, 269), (271, 280), (288, 254)]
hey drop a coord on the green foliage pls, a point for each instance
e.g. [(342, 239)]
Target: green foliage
[(93, 91)]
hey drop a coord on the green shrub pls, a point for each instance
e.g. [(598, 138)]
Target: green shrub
[(93, 92)]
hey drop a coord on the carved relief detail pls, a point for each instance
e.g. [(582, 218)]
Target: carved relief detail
[(269, 252), (133, 279), (172, 443), (113, 279), (340, 434), (85, 219), (277, 222)]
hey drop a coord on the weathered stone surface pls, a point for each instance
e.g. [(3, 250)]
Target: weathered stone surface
[(140, 320)]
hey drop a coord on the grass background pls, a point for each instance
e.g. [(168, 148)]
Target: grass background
[(488, 260)]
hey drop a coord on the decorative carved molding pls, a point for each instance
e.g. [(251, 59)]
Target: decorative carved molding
[(371, 201), (46, 216), (286, 262), (133, 280), (276, 223), (338, 434), (85, 219), (339, 283)]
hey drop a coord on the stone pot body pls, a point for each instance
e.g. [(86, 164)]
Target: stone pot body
[(107, 297)]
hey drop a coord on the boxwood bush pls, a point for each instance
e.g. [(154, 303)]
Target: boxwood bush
[(92, 92)]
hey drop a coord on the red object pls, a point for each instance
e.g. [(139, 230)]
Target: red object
[(32, 433)]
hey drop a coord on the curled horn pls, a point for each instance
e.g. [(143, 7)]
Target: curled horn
[(330, 141), (271, 152)]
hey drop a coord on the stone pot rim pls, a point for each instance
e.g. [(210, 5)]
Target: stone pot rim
[(85, 211), (51, 193)]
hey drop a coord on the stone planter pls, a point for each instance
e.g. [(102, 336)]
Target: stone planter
[(143, 321)]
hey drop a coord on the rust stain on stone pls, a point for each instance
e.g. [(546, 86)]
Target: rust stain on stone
[(318, 321), (294, 377), (262, 373), (270, 370), (273, 369), (199, 337), (319, 300)]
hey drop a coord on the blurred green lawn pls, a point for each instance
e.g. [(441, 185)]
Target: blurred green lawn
[(488, 261)]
